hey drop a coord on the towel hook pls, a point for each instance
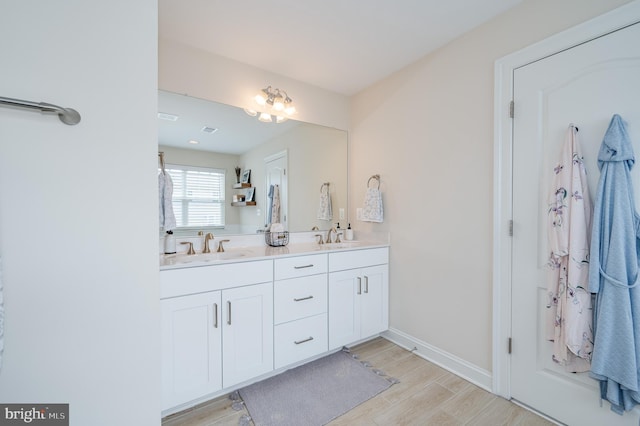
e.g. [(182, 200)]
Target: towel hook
[(377, 178), (323, 185), (161, 155)]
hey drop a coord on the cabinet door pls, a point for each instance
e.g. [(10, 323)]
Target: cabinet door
[(344, 307), (374, 300), (248, 332), (191, 347)]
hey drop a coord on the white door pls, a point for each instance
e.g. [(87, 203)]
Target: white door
[(584, 85), (247, 340), (373, 310), (344, 308), (191, 347), (276, 170)]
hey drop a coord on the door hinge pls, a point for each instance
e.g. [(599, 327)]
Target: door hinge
[(511, 108), (509, 345), (511, 228)]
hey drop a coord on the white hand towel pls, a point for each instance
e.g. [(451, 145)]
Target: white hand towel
[(275, 205), (277, 227), (165, 189), (324, 210), (372, 209)]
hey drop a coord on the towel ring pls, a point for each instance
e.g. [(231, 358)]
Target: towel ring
[(377, 178), (323, 185)]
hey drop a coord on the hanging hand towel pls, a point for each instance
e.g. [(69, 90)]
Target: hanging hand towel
[(569, 311), (165, 189), (275, 205), (372, 210), (613, 273), (270, 203), (324, 210)]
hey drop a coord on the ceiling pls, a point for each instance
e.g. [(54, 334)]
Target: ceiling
[(236, 132), (339, 45)]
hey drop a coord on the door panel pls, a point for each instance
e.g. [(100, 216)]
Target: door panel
[(247, 341), (584, 85)]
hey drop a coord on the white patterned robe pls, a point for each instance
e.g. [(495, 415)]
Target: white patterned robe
[(569, 315)]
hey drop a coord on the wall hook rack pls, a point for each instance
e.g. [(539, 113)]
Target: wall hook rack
[(66, 115)]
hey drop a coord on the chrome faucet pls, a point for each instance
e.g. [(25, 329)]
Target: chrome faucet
[(328, 239), (207, 238)]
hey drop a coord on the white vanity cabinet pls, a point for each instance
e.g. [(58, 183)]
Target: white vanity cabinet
[(226, 325), (358, 295), (300, 308), (214, 334)]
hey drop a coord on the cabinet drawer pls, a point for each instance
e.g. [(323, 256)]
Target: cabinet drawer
[(358, 258), (300, 266), (300, 297), (298, 340)]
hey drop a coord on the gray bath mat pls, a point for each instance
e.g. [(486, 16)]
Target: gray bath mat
[(314, 393)]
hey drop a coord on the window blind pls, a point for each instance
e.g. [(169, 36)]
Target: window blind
[(198, 195)]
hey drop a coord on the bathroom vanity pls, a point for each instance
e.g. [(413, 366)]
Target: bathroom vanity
[(230, 321)]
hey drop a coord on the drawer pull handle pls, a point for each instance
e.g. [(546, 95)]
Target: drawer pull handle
[(303, 341), (302, 298), (305, 266), (359, 285), (215, 315), (228, 312), (366, 284)]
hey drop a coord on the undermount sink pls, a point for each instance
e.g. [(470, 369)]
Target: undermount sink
[(202, 257), (342, 244)]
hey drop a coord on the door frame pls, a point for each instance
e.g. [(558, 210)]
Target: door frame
[(502, 171)]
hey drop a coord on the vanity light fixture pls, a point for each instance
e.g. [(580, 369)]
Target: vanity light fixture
[(272, 103)]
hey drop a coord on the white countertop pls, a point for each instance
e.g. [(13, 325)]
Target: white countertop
[(253, 253)]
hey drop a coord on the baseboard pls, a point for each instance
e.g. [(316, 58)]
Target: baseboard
[(472, 373)]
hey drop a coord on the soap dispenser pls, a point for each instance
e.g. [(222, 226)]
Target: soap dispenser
[(348, 235), (169, 243)]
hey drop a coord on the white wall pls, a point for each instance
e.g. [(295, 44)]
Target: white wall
[(186, 70), (78, 209), (315, 155), (428, 131)]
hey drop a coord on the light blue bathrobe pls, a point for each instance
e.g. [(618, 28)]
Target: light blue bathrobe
[(613, 273)]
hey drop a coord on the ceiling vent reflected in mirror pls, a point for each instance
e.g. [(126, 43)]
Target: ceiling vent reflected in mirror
[(168, 117), (272, 105), (208, 129)]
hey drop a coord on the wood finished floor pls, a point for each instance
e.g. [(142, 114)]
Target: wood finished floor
[(426, 395)]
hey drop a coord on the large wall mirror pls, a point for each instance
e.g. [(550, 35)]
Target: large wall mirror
[(312, 156)]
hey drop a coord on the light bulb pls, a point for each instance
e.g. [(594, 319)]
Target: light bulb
[(278, 102), (281, 119), (290, 109), (251, 112), (260, 99), (264, 117)]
